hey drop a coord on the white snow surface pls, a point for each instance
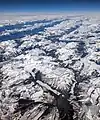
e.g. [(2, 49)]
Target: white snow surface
[(66, 51)]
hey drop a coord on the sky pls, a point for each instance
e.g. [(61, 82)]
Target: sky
[(48, 5)]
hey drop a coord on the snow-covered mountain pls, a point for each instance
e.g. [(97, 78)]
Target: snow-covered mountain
[(50, 67)]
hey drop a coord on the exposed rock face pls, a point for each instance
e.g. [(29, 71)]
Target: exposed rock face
[(50, 68)]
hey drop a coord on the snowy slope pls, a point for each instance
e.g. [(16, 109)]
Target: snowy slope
[(50, 67)]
